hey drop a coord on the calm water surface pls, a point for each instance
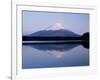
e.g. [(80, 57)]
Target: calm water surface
[(54, 55)]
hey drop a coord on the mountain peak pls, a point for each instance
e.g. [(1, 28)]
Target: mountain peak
[(56, 26)]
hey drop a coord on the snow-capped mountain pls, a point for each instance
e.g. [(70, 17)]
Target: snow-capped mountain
[(55, 30)]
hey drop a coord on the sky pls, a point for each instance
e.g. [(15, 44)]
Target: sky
[(33, 21)]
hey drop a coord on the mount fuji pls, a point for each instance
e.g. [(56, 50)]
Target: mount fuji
[(55, 30)]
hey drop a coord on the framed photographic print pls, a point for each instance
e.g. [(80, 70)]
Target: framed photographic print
[(50, 41)]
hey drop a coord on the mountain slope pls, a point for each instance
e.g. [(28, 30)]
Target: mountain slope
[(55, 33)]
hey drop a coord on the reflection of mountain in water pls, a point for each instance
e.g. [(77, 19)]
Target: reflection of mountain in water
[(56, 50), (57, 54), (57, 47)]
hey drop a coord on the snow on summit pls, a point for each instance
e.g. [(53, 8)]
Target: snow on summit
[(56, 26)]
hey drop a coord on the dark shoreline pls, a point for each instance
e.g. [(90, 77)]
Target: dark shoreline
[(27, 38)]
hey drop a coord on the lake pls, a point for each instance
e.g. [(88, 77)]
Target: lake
[(54, 55)]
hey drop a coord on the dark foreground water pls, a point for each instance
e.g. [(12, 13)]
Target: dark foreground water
[(54, 55)]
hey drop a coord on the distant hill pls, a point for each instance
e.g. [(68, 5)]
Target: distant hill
[(55, 33)]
